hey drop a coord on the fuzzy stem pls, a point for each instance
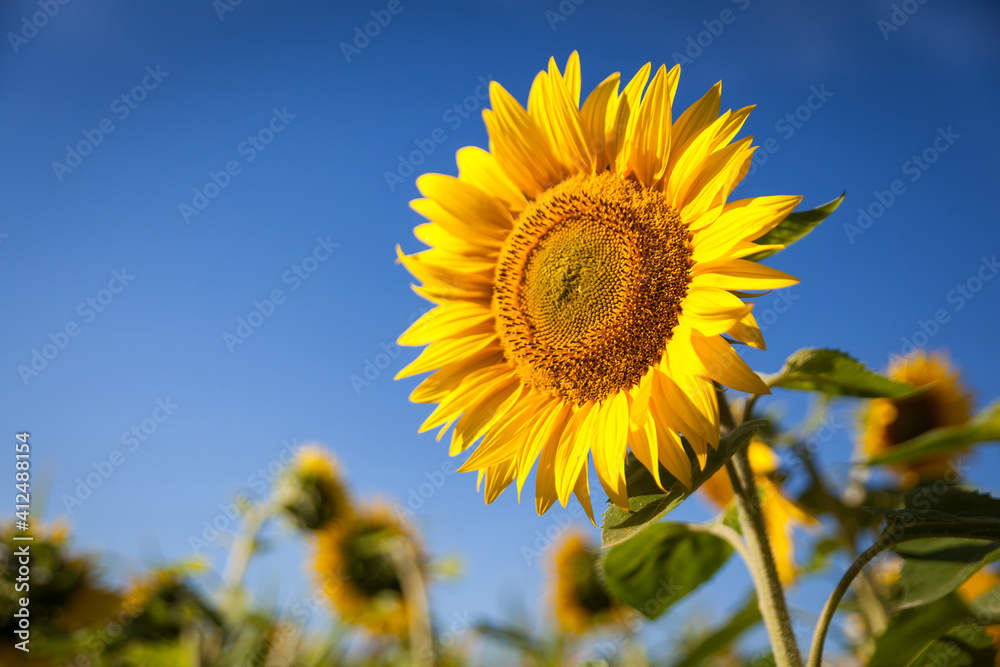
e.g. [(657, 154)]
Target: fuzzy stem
[(770, 594)]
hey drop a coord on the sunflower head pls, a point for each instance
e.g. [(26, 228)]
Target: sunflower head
[(356, 566), (578, 596), (66, 587), (583, 271), (311, 492), (943, 401)]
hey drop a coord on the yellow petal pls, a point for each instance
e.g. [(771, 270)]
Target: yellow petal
[(721, 363), (481, 169), (449, 320), (582, 492), (545, 475), (574, 444), (626, 114), (468, 203), (503, 440), (746, 330), (442, 382), (519, 145), (740, 274), (693, 121), (741, 220), (651, 143), (475, 387), (490, 407), (711, 310), (443, 352), (670, 451), (594, 116)]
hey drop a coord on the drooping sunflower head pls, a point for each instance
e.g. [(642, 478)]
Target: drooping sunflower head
[(943, 401), (357, 564), (311, 492), (577, 595), (583, 272)]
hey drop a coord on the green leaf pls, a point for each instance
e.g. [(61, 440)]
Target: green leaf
[(658, 567), (647, 502), (835, 373), (984, 427), (965, 646), (935, 567), (723, 636), (795, 226), (939, 510), (912, 630)]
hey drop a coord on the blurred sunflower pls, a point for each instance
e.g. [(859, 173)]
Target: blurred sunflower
[(66, 588), (578, 596), (584, 270), (781, 515), (311, 492), (982, 582), (355, 565), (944, 401)]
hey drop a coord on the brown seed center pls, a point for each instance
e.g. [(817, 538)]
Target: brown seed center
[(589, 286)]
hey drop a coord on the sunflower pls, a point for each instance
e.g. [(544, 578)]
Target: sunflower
[(354, 564), (578, 596), (944, 401), (583, 272), (312, 492), (781, 515), (982, 582), (67, 593)]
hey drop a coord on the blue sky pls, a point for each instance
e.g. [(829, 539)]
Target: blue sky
[(210, 159)]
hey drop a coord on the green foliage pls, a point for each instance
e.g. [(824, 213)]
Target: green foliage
[(936, 567), (940, 510), (912, 631), (661, 565), (795, 226), (965, 646), (984, 427), (723, 636), (835, 373), (647, 502)]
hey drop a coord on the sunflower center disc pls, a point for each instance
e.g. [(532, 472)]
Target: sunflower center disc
[(589, 286)]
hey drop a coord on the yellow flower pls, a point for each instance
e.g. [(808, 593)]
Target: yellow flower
[(312, 491), (982, 582), (944, 402), (355, 565), (578, 596), (583, 273), (781, 515)]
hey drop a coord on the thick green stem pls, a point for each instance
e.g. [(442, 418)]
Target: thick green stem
[(770, 594)]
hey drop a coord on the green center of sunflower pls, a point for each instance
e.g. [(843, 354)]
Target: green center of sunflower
[(589, 286)]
